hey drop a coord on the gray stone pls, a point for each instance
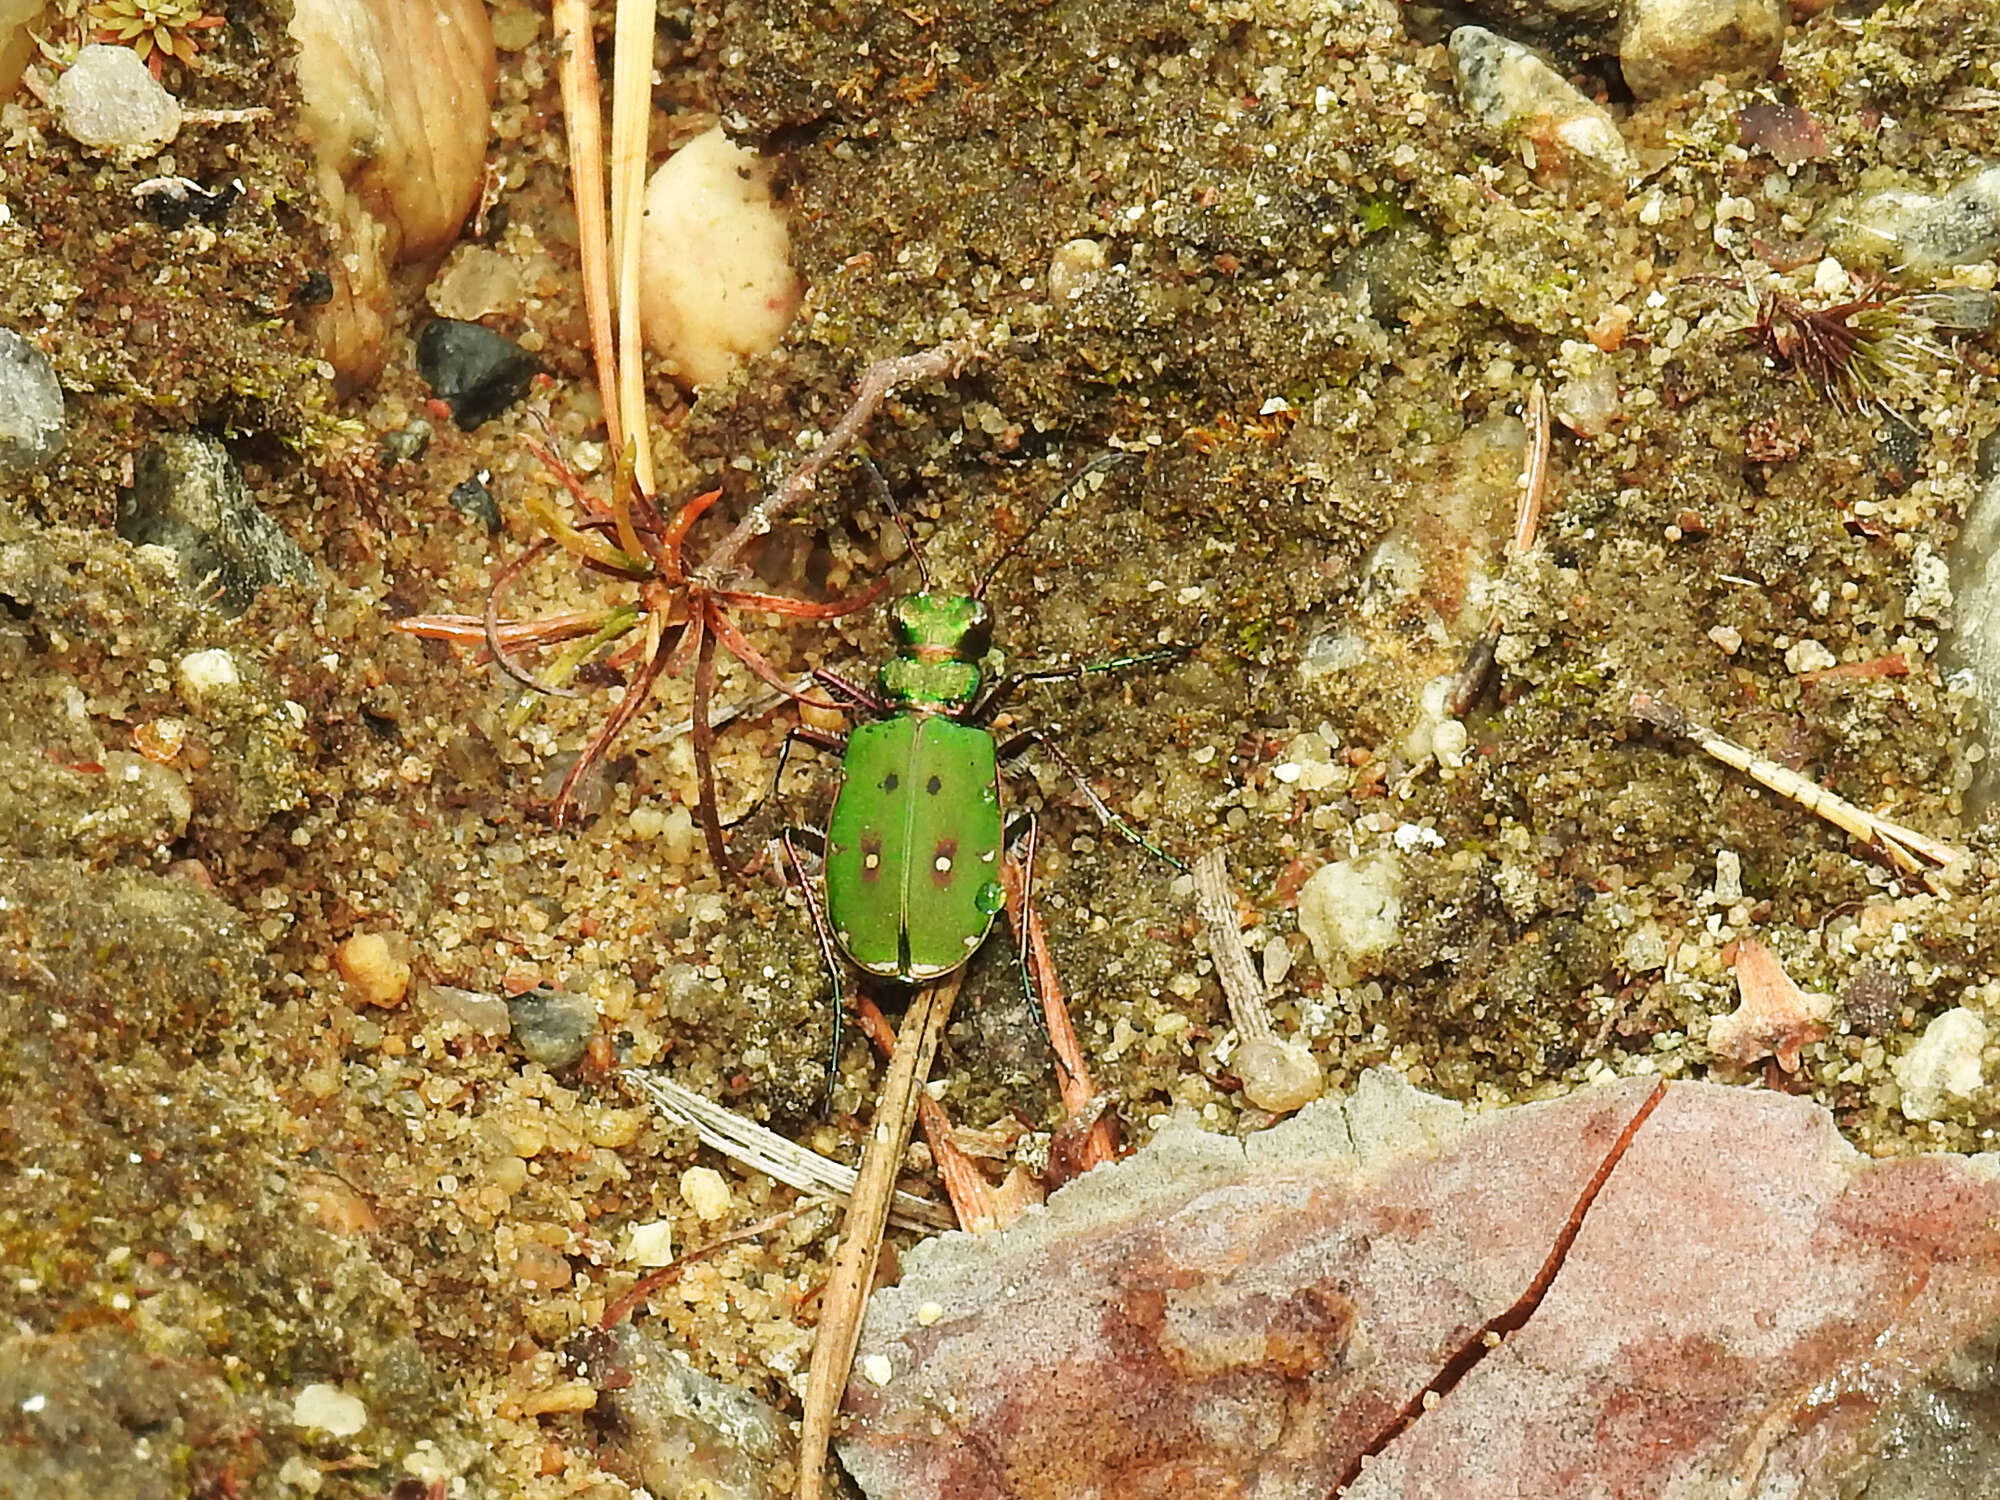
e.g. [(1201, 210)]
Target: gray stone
[(107, 101), (32, 428), (673, 1429), (553, 1026), (1922, 231), (1509, 88), (1665, 46), (187, 495)]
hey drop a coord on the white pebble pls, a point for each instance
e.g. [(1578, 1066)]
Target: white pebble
[(651, 1244), (705, 1190), (107, 101), (1943, 1065), (878, 1369), (716, 280), (330, 1409)]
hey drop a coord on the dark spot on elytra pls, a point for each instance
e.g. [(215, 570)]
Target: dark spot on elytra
[(934, 785), (891, 782)]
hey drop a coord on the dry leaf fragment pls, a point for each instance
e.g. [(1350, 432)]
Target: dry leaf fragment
[(1774, 1018)]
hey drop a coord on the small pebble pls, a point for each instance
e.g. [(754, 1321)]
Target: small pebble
[(651, 1244), (476, 372), (1666, 46), (329, 1409), (107, 101), (1922, 232), (374, 972), (471, 499), (188, 495), (1943, 1066), (1277, 1076), (207, 680), (877, 1369), (32, 425), (706, 1191), (1509, 88), (716, 285), (552, 1026)]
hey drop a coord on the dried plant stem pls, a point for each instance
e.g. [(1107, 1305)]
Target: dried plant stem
[(631, 104), (1075, 1086), (1215, 904), (1911, 852), (847, 1287), (972, 1201), (747, 1142), (1478, 665), (876, 382), (583, 121)]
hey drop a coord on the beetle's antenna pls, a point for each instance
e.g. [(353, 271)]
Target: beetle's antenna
[(888, 502), (1097, 465)]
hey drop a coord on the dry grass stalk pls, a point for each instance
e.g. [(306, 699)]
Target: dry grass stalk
[(752, 1146), (1911, 852), (846, 1295)]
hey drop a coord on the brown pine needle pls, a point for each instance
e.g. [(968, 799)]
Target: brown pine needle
[(1909, 851)]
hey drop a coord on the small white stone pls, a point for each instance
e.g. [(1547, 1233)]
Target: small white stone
[(929, 1313), (107, 101), (878, 1369), (207, 678), (716, 279), (1808, 656), (1944, 1065), (705, 1190), (1351, 911), (1726, 638), (330, 1409), (651, 1244)]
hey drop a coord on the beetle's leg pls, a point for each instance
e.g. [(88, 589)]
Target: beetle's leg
[(1004, 687), (853, 692), (1012, 749), (1024, 830), (819, 738), (815, 899)]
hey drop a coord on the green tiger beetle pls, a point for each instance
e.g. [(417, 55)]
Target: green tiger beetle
[(910, 882)]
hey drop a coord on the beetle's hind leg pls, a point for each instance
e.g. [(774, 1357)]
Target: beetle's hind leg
[(815, 899)]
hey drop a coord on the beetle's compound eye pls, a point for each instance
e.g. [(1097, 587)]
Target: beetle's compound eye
[(976, 639)]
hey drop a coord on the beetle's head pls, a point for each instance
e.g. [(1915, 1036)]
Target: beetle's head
[(940, 627)]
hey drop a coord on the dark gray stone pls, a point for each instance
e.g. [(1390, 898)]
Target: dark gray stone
[(476, 372), (552, 1026), (188, 495)]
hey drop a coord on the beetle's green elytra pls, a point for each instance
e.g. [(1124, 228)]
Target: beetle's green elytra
[(913, 846)]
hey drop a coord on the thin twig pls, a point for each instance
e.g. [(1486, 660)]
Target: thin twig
[(876, 382), (751, 1145), (846, 1296), (1470, 680), (1911, 852), (1215, 904)]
